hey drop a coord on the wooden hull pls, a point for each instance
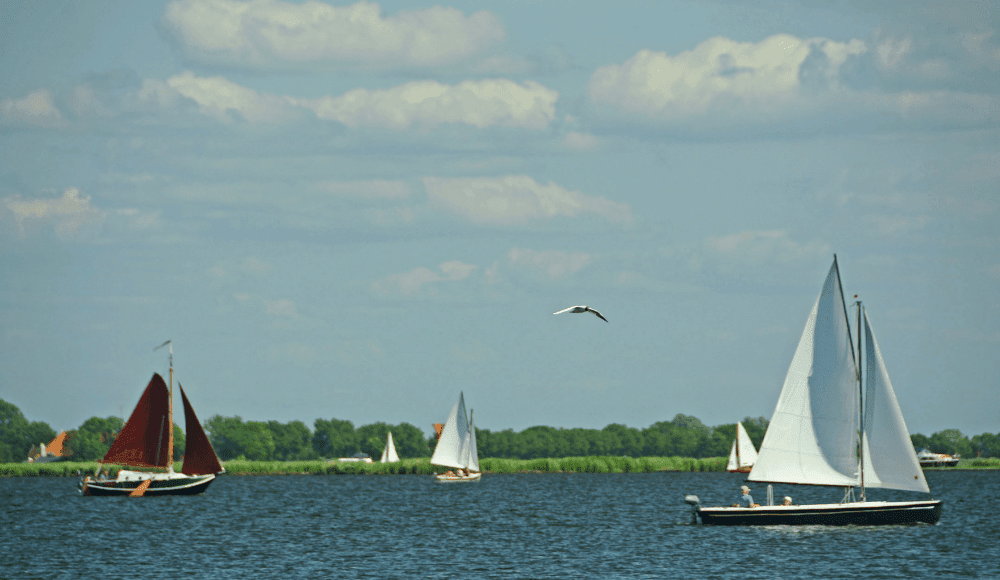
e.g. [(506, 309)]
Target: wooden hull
[(192, 485), (442, 478), (871, 513)]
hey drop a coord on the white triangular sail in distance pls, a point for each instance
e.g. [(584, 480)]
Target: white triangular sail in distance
[(473, 461), (745, 449), (734, 462), (889, 459), (389, 453), (812, 437), (451, 446)]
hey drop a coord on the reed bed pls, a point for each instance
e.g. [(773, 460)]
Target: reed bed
[(602, 464)]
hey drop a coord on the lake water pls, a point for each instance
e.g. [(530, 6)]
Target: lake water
[(507, 526)]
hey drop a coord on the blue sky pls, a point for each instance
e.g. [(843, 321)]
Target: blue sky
[(356, 211)]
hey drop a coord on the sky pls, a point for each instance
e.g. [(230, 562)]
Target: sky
[(359, 210)]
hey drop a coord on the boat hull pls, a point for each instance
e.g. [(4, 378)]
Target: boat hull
[(174, 486), (442, 478), (873, 513), (938, 462)]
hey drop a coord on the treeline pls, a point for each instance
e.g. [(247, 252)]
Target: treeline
[(234, 438)]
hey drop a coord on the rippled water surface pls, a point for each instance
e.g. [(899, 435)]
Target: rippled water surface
[(507, 526)]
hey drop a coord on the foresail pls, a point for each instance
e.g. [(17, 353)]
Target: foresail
[(734, 463), (889, 459), (812, 437), (199, 456), (389, 453), (143, 441), (448, 451), (747, 452)]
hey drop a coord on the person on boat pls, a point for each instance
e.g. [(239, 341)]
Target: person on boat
[(449, 473), (788, 500), (746, 500)]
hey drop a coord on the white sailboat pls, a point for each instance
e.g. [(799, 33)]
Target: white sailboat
[(456, 447), (820, 427), (743, 455), (389, 452)]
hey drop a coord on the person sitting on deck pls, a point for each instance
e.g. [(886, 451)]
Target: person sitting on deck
[(788, 500), (746, 501)]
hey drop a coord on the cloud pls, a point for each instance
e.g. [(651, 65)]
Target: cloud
[(67, 215), (757, 247), (376, 189), (721, 74), (485, 103), (580, 141), (412, 282), (517, 199), (549, 263), (37, 109), (219, 98), (282, 309), (789, 83), (268, 34)]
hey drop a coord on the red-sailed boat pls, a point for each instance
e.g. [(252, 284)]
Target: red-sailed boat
[(147, 441)]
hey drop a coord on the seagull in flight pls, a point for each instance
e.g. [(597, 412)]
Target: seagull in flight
[(579, 309)]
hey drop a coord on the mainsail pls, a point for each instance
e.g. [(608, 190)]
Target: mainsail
[(743, 454), (451, 450), (472, 463), (144, 440), (812, 437), (199, 456), (389, 452), (889, 459)]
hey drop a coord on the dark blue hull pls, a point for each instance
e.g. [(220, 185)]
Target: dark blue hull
[(877, 513)]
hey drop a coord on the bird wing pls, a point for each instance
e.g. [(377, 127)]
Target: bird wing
[(565, 310), (598, 314)]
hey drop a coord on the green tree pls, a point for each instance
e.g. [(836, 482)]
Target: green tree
[(334, 438), (292, 441), (91, 440), (920, 441), (18, 435), (952, 442), (232, 438), (410, 441), (987, 445)]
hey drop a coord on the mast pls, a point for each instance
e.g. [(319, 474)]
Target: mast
[(170, 409), (861, 409)]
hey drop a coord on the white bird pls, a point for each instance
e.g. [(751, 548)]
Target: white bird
[(579, 309)]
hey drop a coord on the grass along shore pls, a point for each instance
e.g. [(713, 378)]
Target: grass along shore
[(422, 466)]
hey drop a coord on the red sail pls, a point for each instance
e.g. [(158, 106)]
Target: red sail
[(143, 441), (199, 457)]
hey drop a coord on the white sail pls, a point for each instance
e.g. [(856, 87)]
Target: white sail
[(450, 449), (734, 463), (889, 459), (812, 438), (473, 464), (746, 451), (389, 453)]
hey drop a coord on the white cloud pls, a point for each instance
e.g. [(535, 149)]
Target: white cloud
[(517, 199), (36, 109), (271, 34), (219, 97), (412, 282), (757, 247), (485, 103), (68, 215), (375, 189), (552, 264), (721, 74), (282, 308), (580, 141)]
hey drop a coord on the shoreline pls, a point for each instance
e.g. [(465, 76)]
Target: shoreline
[(422, 466)]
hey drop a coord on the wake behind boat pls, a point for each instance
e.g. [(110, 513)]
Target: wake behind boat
[(456, 447), (147, 441), (820, 434)]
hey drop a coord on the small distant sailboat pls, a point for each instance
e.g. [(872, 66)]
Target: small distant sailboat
[(147, 440), (456, 447), (822, 434), (743, 455), (389, 452)]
